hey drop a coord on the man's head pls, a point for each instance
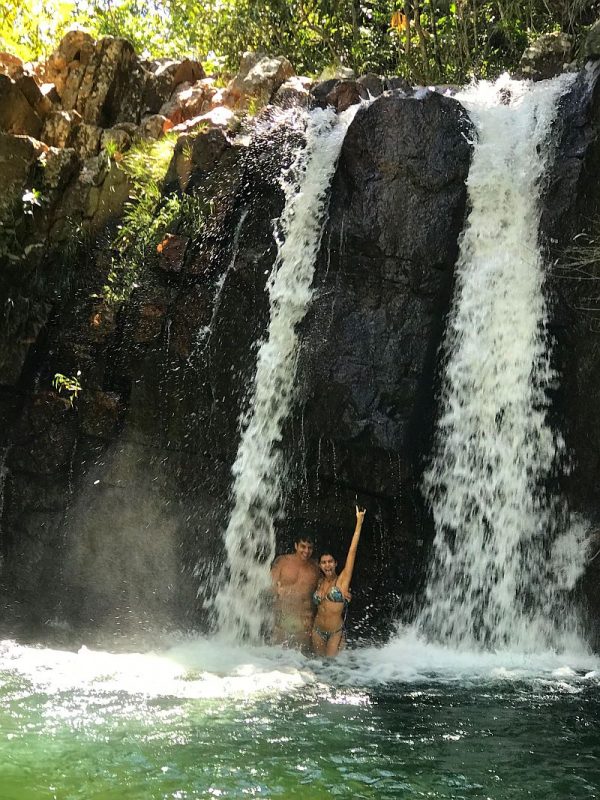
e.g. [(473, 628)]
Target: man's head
[(304, 546)]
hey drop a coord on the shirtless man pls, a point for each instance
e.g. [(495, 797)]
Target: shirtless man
[(295, 578)]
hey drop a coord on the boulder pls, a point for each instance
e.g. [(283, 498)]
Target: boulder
[(95, 169), (130, 128), (157, 91), (154, 127), (49, 91), (30, 90), (115, 139), (399, 153), (190, 100), (11, 65), (546, 57), (172, 251), (345, 94), (163, 77), (397, 82), (80, 197), (108, 87), (339, 94), (257, 81), (320, 90), (188, 71), (196, 154), (16, 114), (372, 83), (66, 66), (86, 140), (59, 128), (294, 92), (591, 46), (220, 117), (18, 154), (114, 191), (61, 166)]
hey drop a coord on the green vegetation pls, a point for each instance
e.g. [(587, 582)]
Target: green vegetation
[(424, 40), (111, 148), (69, 384), (149, 215), (145, 218)]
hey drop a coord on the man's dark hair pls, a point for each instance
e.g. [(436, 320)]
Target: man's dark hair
[(304, 537)]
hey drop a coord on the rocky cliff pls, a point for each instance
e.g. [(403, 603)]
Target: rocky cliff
[(114, 500)]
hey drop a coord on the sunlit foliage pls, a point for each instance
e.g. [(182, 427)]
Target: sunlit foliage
[(31, 28), (424, 40)]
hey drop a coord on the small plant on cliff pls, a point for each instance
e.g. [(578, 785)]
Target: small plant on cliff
[(146, 165), (31, 198), (149, 215), (69, 385), (111, 148)]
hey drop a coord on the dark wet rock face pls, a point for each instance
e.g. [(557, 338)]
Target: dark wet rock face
[(570, 216), (16, 113), (366, 376)]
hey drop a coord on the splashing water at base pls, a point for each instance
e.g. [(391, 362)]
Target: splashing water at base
[(258, 469), (502, 567)]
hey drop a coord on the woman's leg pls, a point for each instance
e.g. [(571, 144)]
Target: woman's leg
[(319, 644), (335, 644)]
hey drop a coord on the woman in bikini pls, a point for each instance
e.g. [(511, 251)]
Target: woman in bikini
[(328, 633)]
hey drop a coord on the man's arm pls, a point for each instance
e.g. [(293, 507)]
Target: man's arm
[(276, 573)]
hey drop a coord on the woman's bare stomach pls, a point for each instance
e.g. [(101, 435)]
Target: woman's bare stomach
[(330, 619)]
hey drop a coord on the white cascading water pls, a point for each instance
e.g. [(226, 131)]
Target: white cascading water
[(501, 567), (258, 469)]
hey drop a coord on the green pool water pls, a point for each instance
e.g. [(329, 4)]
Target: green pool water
[(200, 720)]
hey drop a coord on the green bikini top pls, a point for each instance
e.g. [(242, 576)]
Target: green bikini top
[(334, 594)]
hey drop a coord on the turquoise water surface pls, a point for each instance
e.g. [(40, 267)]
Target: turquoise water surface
[(201, 719)]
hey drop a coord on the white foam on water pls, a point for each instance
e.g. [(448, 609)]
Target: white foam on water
[(409, 658), (189, 669), (212, 668), (258, 469), (504, 559)]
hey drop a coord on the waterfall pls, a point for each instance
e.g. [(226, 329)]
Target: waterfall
[(499, 575), (241, 601)]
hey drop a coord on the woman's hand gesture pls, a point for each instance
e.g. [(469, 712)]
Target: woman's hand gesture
[(360, 514)]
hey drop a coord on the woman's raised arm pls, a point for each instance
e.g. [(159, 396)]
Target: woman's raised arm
[(346, 574)]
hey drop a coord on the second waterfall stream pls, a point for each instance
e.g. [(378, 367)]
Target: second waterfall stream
[(505, 555)]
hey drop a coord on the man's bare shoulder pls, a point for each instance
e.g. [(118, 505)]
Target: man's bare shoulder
[(280, 562), (284, 559)]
